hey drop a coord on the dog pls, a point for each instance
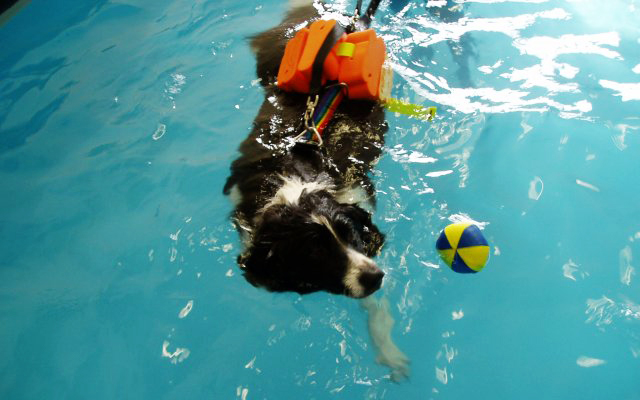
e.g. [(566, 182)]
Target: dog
[(302, 210)]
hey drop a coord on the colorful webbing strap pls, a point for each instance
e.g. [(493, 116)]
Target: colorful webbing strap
[(325, 109), (327, 106)]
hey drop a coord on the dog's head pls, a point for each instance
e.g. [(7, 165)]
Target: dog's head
[(314, 243)]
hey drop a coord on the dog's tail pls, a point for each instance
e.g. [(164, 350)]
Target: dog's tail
[(269, 46)]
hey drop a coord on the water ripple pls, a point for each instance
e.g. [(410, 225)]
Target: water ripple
[(602, 312), (503, 89)]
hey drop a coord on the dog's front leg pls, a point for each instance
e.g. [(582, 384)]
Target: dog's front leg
[(380, 325)]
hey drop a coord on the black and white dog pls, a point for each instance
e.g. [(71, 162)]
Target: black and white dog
[(302, 211)]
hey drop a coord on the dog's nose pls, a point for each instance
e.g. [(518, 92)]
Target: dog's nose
[(371, 280)]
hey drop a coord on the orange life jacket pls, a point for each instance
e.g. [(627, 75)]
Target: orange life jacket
[(357, 60)]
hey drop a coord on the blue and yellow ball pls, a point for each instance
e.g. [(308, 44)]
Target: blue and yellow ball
[(463, 248)]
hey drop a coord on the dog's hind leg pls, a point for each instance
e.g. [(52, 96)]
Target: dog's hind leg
[(380, 325)]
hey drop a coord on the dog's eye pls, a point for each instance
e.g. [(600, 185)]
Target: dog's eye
[(343, 230), (352, 233)]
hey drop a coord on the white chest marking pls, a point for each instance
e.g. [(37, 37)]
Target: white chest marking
[(292, 188)]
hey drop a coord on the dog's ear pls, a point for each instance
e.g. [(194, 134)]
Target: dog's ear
[(242, 259), (254, 257), (254, 264)]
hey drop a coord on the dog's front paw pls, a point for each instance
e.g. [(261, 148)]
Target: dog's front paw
[(380, 325), (391, 356)]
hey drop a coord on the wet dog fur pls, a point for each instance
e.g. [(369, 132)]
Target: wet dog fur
[(302, 211)]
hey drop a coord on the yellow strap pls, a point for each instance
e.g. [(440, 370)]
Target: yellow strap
[(346, 49), (412, 110)]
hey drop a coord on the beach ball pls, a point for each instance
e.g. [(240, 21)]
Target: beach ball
[(463, 248)]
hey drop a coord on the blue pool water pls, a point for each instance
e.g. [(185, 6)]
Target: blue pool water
[(118, 121)]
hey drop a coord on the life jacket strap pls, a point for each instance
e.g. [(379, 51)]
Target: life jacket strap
[(315, 84)]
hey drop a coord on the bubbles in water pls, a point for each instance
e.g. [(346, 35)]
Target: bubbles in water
[(536, 186), (186, 310), (441, 375), (177, 356), (587, 185), (626, 269), (588, 362), (160, 131)]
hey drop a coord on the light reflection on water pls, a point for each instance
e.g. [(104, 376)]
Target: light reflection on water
[(474, 67)]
